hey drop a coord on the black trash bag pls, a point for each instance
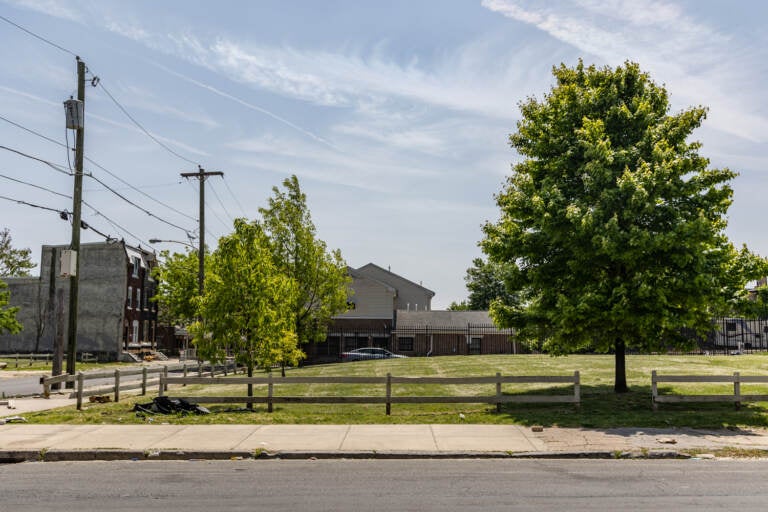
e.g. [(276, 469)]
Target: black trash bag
[(165, 405)]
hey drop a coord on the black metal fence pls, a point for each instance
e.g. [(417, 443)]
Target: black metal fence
[(729, 335)]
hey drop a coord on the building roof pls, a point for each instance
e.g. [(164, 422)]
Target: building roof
[(443, 318), (395, 277)]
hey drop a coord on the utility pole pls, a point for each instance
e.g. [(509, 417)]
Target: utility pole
[(77, 199), (201, 175)]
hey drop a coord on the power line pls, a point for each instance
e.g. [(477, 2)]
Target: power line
[(41, 38), (242, 210), (35, 186), (90, 175), (121, 196), (55, 167), (33, 132), (134, 121), (221, 203), (96, 164), (19, 201)]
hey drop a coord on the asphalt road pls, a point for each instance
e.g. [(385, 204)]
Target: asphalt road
[(387, 485)]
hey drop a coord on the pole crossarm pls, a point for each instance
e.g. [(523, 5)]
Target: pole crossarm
[(201, 176)]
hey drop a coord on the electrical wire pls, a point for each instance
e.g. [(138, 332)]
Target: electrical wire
[(35, 186), (139, 125), (231, 219), (55, 167), (242, 210), (19, 201), (92, 162), (90, 175), (33, 132), (41, 38), (121, 196)]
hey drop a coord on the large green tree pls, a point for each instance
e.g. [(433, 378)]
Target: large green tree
[(8, 322), (485, 283), (247, 306), (13, 262), (321, 274), (611, 224)]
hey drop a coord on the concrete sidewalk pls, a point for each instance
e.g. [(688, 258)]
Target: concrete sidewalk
[(20, 441)]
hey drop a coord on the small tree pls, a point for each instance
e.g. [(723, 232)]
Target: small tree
[(8, 322), (178, 287), (247, 306), (612, 225), (13, 262), (321, 275)]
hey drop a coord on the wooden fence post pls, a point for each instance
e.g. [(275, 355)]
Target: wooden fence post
[(389, 393), (162, 385), (737, 390), (577, 388), (144, 381), (165, 376), (498, 392), (80, 383), (654, 391), (269, 393), (46, 387), (117, 385)]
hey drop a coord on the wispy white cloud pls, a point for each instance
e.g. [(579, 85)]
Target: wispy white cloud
[(687, 55), (52, 8)]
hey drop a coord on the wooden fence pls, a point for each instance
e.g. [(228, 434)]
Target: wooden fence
[(120, 384), (387, 398), (736, 397)]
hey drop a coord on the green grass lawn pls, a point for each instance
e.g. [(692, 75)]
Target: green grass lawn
[(600, 408), (41, 365)]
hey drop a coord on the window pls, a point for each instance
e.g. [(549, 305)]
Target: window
[(138, 298), (130, 297), (136, 265), (405, 344), (135, 330), (474, 346)]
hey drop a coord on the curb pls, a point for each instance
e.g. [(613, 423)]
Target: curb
[(54, 455)]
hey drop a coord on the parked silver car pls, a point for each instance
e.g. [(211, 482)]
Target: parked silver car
[(369, 353)]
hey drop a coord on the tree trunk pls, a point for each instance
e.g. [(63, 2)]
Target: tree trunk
[(250, 386), (620, 379), (282, 368)]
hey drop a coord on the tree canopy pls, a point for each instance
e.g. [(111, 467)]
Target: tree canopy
[(485, 282), (320, 274), (611, 225), (177, 289), (247, 305), (13, 262), (8, 322)]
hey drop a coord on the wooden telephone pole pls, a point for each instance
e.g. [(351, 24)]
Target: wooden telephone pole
[(201, 175), (77, 199)]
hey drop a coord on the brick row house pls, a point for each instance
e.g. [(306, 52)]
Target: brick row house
[(115, 313)]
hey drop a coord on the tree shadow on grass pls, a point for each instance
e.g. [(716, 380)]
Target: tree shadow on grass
[(604, 409)]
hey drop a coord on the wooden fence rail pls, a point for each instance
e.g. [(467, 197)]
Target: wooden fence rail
[(387, 398), (119, 384), (736, 397)]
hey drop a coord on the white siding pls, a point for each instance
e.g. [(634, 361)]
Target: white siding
[(371, 299)]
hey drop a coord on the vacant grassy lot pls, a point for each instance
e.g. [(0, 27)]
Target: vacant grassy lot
[(600, 406), (41, 365)]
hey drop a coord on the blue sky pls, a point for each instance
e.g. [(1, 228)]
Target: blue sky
[(394, 115)]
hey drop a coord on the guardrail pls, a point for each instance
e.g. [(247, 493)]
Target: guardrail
[(80, 378), (736, 397), (270, 399)]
